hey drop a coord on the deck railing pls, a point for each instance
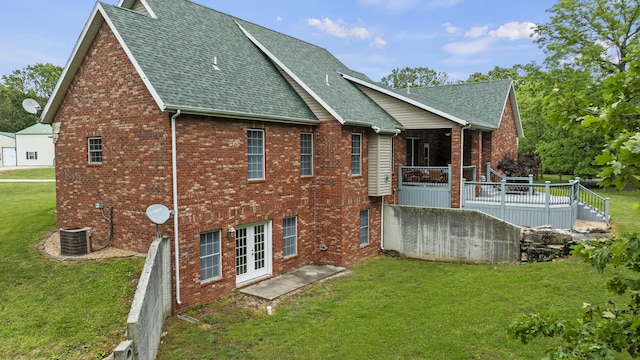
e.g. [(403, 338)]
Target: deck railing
[(424, 175), (503, 194)]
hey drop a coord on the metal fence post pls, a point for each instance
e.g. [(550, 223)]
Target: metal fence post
[(547, 200), (531, 190), (503, 199), (464, 192)]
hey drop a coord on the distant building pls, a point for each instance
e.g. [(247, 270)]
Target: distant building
[(7, 149), (34, 146)]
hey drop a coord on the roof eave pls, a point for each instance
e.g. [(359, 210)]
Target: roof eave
[(239, 115)]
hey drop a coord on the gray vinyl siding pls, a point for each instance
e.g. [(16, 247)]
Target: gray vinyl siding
[(380, 166)]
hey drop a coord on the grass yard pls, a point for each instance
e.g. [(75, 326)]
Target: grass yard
[(51, 309), (391, 308), (401, 308)]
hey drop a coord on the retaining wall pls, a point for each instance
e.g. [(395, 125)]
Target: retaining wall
[(458, 235), (151, 302)]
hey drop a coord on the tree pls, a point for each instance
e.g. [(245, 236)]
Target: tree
[(594, 35), (603, 330), (35, 81), (621, 119), (415, 77)]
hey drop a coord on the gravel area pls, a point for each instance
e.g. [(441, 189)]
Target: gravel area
[(50, 247)]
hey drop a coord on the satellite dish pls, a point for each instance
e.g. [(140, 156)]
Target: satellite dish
[(158, 213), (31, 106)]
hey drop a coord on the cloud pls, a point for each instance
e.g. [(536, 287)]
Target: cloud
[(392, 6), (339, 29), (379, 43), (450, 28), (469, 47), (514, 30), (477, 31), (484, 39), (279, 18)]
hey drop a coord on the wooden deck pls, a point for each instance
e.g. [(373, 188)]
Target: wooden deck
[(520, 203)]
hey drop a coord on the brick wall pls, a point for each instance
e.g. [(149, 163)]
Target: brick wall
[(504, 141), (108, 99)]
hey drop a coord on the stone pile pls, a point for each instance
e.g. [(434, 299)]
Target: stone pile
[(544, 243)]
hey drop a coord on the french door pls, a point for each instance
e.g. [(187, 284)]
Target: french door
[(253, 252)]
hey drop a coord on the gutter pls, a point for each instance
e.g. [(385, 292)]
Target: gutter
[(239, 115), (174, 175)]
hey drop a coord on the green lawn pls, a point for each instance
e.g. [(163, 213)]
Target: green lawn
[(391, 308), (51, 309), (44, 173)]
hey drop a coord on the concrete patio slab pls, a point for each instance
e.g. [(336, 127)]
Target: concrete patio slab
[(280, 285)]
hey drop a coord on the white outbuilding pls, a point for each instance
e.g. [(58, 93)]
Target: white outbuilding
[(7, 149), (34, 146)]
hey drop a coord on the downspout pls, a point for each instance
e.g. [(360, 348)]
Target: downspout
[(174, 173)]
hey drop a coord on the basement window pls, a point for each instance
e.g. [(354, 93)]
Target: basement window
[(364, 227), (290, 236), (210, 264)]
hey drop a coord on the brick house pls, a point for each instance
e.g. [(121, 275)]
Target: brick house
[(272, 154)]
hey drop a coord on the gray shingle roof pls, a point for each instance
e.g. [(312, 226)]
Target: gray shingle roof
[(176, 52), (320, 71), (480, 103)]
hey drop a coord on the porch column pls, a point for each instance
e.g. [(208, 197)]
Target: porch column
[(476, 152), (456, 165)]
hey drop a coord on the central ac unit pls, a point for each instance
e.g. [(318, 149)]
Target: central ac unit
[(75, 241)]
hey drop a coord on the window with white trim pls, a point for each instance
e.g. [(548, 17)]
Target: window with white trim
[(306, 154), (356, 154), (364, 227), (32, 155), (290, 236), (255, 154), (210, 264), (95, 150)]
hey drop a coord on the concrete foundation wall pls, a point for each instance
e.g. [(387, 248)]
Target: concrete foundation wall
[(151, 302), (450, 235)]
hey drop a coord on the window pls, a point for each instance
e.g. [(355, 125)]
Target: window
[(306, 154), (95, 150), (255, 154), (32, 155), (364, 227), (290, 236), (356, 154), (210, 266), (413, 152)]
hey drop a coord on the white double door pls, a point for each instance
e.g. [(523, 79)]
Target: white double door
[(253, 252)]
